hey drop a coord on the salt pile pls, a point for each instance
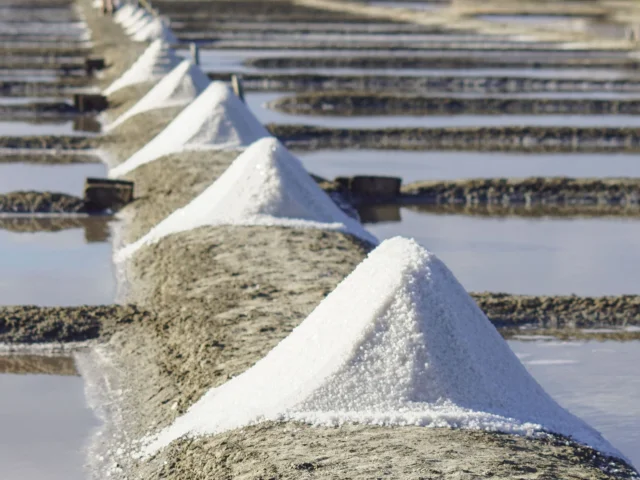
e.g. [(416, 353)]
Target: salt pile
[(156, 29), (123, 13), (398, 342), (136, 16), (180, 87), (144, 20), (265, 185), (217, 119), (156, 61)]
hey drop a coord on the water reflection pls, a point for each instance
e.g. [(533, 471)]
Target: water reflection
[(43, 417), (68, 267), (48, 178), (414, 166), (597, 381)]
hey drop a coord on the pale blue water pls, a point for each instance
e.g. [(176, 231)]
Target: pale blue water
[(55, 269), (597, 381), (48, 178), (414, 166), (45, 424), (545, 256)]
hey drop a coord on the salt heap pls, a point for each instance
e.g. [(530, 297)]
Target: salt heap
[(156, 29), (123, 13), (265, 185), (136, 16), (178, 88), (144, 20), (398, 342), (156, 61), (217, 119)]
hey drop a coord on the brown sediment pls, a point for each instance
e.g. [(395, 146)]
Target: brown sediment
[(32, 324), (363, 104), (37, 364), (524, 211), (40, 202), (305, 82), (559, 312), (556, 59), (504, 139), (623, 192), (47, 142)]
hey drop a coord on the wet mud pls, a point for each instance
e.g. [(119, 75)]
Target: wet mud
[(353, 104), (528, 191), (33, 325), (40, 202), (500, 139)]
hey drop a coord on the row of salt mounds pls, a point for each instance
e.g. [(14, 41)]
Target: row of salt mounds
[(265, 185), (142, 26), (398, 342), (217, 120), (179, 88), (156, 62)]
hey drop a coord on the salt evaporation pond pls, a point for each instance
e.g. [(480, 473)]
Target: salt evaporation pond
[(529, 256), (414, 166), (45, 424), (597, 381), (48, 178), (233, 60), (257, 102), (62, 268)]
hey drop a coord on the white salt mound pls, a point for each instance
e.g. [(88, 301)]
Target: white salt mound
[(135, 16), (124, 12), (156, 61), (265, 185), (145, 20), (217, 119), (398, 342), (180, 87), (156, 29)]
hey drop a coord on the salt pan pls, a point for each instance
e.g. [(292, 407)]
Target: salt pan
[(265, 185), (217, 119), (156, 61), (180, 87), (398, 342)]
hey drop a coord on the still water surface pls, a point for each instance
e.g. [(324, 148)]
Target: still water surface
[(597, 381), (45, 424), (543, 256)]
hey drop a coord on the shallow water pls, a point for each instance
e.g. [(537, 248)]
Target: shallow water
[(416, 166), (44, 426), (68, 267), (48, 178), (233, 61), (597, 381), (257, 102), (546, 256), (27, 129)]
